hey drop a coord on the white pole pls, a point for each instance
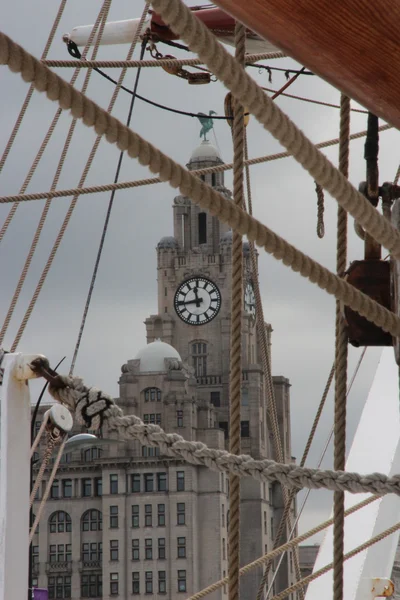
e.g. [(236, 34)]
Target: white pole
[(15, 476)]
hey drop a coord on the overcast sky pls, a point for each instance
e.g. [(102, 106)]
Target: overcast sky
[(301, 315)]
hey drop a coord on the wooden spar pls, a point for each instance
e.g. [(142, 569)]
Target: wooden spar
[(355, 46)]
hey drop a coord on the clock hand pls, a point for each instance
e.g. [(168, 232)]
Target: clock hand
[(198, 300)]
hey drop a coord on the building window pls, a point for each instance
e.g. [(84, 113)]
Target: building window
[(135, 516), (223, 549), (67, 488), (148, 515), (162, 482), (162, 582), (213, 179), (215, 398), (135, 550), (113, 517), (86, 487), (225, 428), (113, 484), (135, 483), (37, 427), (35, 555), (92, 454), (244, 429), (55, 490), (92, 552), (35, 582), (179, 418), (181, 547), (224, 575), (152, 394), (181, 581), (148, 549), (265, 522), (181, 514), (152, 419), (135, 582), (222, 482), (223, 515), (199, 357), (161, 548), (114, 550), (92, 520), (150, 451), (180, 481), (66, 458), (202, 228), (92, 586), (245, 396), (148, 482), (98, 486), (149, 582), (59, 553), (59, 587), (161, 515), (114, 584), (60, 522)]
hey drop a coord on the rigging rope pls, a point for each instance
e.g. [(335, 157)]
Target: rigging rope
[(235, 366), (95, 409), (28, 97), (312, 101), (341, 349), (277, 551), (19, 120), (320, 211), (115, 132), (177, 16), (163, 62), (153, 180), (111, 201), (102, 16)]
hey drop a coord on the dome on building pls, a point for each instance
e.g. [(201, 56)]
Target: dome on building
[(206, 151), (226, 238), (168, 242), (152, 356)]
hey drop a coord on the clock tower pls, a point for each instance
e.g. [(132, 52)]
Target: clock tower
[(194, 304)]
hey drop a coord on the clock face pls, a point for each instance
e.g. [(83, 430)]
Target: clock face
[(249, 300), (197, 301)]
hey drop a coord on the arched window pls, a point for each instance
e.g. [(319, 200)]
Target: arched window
[(152, 394), (92, 454), (202, 228), (199, 358), (60, 522), (92, 520)]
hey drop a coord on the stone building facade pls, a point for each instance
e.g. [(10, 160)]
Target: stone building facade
[(124, 520)]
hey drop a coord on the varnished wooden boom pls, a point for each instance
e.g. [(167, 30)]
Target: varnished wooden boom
[(352, 44)]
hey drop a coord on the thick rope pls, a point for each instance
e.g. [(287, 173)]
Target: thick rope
[(163, 62), (94, 409), (269, 557), (177, 16), (101, 16), (52, 439), (94, 189), (320, 211), (340, 362), (115, 132), (235, 367), (270, 394)]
